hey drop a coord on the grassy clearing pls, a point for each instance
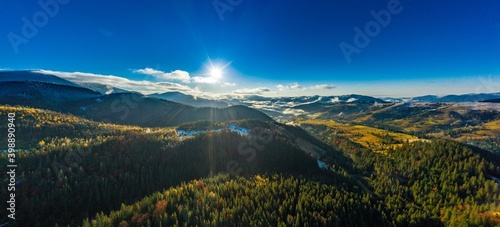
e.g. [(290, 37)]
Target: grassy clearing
[(493, 125), (377, 140)]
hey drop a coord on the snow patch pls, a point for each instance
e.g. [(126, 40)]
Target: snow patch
[(496, 180), (335, 100), (110, 90), (322, 165), (351, 100), (234, 128)]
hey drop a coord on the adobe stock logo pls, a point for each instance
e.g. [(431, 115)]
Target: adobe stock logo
[(372, 29), (221, 7), (40, 19)]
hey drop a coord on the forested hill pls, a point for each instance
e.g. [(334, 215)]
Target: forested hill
[(119, 108), (260, 200), (40, 90), (76, 171), (135, 109), (74, 168), (436, 183)]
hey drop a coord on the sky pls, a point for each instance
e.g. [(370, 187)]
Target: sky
[(270, 48)]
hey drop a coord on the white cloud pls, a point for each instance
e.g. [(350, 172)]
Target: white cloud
[(281, 87), (252, 91), (183, 76), (228, 85), (178, 75), (296, 86), (295, 112), (292, 86), (145, 87), (323, 86), (204, 80)]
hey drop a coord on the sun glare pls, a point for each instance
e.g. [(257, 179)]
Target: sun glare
[(216, 72), (216, 68)]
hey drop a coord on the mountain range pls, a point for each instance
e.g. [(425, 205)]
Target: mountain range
[(31, 88), (189, 100), (457, 98), (44, 91)]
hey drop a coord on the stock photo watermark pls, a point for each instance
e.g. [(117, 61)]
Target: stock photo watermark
[(74, 159), (223, 6), (488, 84), (11, 167), (31, 26), (124, 105), (249, 150), (372, 29)]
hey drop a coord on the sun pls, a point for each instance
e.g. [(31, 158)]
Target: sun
[(216, 72), (216, 69)]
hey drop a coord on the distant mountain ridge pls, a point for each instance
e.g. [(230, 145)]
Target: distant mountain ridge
[(26, 75), (189, 100), (104, 89), (41, 90), (299, 100), (53, 93), (42, 94), (135, 109), (458, 98), (492, 100)]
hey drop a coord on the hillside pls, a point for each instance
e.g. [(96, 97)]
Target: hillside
[(106, 103), (473, 124), (73, 169), (115, 107), (42, 94), (134, 109), (259, 200), (103, 89), (457, 98), (497, 100), (190, 100), (417, 186), (93, 159), (27, 75), (374, 139), (69, 163)]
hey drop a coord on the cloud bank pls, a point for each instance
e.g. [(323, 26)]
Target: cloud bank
[(252, 91), (182, 81), (145, 87), (297, 86), (178, 75)]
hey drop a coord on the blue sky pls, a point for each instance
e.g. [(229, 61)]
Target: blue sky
[(268, 48)]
